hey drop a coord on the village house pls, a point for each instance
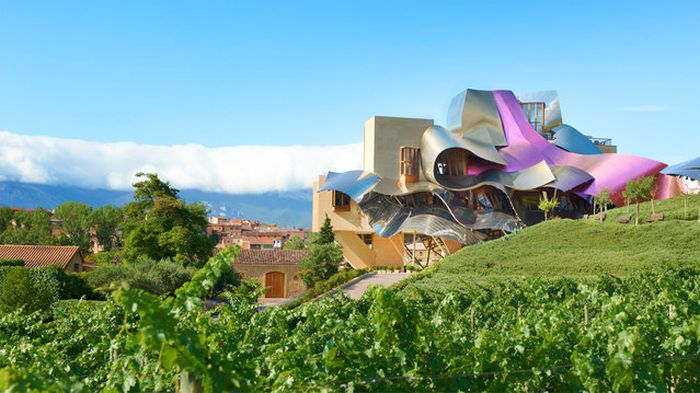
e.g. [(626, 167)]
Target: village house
[(251, 234), (67, 258), (277, 270)]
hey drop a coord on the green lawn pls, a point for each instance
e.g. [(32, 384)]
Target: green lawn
[(573, 248), (672, 209)]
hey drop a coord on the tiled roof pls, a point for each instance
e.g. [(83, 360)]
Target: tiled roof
[(35, 256), (259, 240), (271, 257)]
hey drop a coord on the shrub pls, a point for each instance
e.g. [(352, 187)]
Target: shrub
[(23, 289), (107, 257), (294, 243), (391, 267), (11, 262), (226, 281), (160, 278), (67, 285), (75, 286)]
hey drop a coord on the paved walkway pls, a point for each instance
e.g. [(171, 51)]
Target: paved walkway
[(353, 291), (274, 302), (356, 289)]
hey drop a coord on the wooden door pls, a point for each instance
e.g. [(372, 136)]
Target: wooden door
[(274, 282)]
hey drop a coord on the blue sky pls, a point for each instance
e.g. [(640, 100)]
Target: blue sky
[(282, 73)]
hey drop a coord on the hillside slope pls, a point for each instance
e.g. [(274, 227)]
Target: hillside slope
[(573, 248)]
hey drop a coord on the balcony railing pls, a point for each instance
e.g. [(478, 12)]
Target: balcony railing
[(600, 141)]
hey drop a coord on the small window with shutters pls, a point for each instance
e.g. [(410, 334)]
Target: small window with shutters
[(410, 164), (341, 201)]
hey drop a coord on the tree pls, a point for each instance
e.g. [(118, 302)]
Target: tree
[(688, 189), (323, 261), (326, 235), (21, 289), (107, 220), (31, 227), (294, 243), (324, 257), (6, 216), (602, 200), (159, 224), (640, 190), (547, 205), (76, 223)]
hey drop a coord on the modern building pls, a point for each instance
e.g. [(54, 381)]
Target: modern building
[(480, 176), (277, 270)]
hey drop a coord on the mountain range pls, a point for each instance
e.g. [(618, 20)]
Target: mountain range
[(291, 208)]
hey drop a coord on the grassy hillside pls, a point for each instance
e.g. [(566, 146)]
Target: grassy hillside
[(574, 249), (672, 209)]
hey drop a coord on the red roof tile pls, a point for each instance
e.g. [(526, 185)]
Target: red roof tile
[(35, 256), (259, 240), (271, 257)]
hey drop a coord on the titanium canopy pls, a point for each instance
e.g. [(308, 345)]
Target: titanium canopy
[(570, 139), (504, 152), (689, 169)]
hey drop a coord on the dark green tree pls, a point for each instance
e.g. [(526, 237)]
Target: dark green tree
[(107, 220), (21, 289), (6, 216), (326, 235), (325, 256), (159, 224), (31, 227), (76, 223), (323, 261)]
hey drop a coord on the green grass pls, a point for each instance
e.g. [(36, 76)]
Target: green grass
[(572, 248), (672, 209)]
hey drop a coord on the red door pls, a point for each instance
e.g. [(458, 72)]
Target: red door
[(274, 282)]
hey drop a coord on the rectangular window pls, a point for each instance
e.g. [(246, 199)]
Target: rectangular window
[(535, 114), (418, 199), (341, 201), (454, 162), (484, 202), (366, 238), (529, 200), (410, 164)]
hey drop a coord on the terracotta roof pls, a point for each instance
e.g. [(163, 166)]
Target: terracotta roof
[(271, 257), (263, 234), (259, 240), (35, 256)]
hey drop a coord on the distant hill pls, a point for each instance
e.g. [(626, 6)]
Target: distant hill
[(287, 209)]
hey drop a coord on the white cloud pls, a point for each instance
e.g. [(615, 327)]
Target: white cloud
[(235, 169), (644, 108)]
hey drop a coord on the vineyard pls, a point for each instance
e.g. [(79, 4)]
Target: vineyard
[(597, 334)]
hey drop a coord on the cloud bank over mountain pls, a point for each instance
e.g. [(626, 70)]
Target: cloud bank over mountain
[(234, 170)]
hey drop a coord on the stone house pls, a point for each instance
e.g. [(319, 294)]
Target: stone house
[(276, 269)]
